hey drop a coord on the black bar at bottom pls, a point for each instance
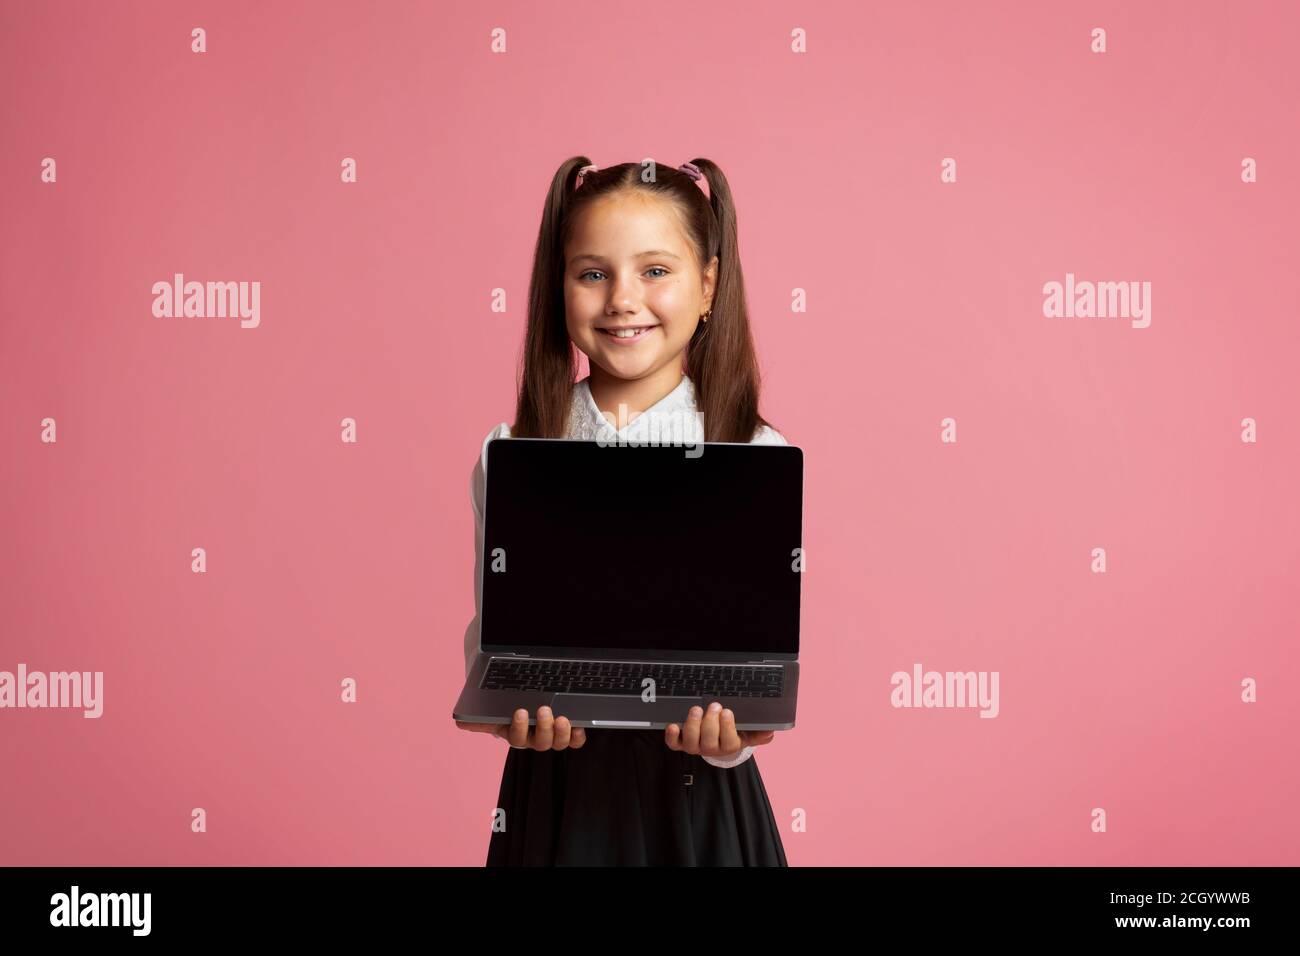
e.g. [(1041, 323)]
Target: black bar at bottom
[(237, 904)]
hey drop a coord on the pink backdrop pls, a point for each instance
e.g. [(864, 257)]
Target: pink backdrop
[(327, 560)]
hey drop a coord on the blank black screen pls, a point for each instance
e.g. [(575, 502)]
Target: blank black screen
[(642, 547)]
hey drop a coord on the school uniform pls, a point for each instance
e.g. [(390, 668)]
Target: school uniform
[(624, 797)]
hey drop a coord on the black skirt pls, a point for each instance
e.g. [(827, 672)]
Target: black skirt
[(625, 799)]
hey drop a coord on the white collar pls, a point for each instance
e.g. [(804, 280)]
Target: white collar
[(673, 415)]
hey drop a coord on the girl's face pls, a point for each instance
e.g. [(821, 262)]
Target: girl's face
[(630, 269)]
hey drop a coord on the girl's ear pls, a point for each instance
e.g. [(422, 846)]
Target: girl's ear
[(710, 282)]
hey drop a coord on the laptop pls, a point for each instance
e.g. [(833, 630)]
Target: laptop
[(624, 584)]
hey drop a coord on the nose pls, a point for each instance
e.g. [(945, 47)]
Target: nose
[(624, 296)]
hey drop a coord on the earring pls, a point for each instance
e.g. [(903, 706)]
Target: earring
[(706, 315)]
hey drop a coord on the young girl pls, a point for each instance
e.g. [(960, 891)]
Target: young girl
[(639, 270)]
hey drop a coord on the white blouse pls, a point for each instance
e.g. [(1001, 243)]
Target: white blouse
[(672, 417)]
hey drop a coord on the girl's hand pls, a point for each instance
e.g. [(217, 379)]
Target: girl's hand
[(713, 734), (549, 734)]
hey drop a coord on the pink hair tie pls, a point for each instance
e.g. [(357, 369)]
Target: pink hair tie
[(582, 174), (690, 169)]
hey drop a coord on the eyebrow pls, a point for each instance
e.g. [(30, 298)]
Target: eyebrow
[(639, 255)]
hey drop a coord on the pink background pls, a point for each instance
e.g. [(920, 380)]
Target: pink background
[(328, 560)]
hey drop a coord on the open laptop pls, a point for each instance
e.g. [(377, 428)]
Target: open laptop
[(621, 585)]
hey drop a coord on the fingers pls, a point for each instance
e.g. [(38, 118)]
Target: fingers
[(709, 730), (566, 735), (517, 735), (544, 732), (549, 733), (728, 737), (691, 731), (563, 733), (673, 737), (712, 732)]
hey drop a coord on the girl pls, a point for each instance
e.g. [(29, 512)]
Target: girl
[(644, 278)]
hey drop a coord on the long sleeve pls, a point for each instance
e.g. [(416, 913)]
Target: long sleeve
[(733, 761), (477, 497)]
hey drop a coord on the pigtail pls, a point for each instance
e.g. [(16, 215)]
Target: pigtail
[(720, 359), (548, 366)]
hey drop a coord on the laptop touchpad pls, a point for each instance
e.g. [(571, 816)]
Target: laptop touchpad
[(621, 711)]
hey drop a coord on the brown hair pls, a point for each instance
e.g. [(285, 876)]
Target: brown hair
[(720, 357)]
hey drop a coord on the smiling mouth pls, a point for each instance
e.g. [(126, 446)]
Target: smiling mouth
[(629, 334)]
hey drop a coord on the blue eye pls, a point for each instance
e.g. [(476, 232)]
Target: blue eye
[(599, 273)]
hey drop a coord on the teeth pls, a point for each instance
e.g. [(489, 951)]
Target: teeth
[(624, 333)]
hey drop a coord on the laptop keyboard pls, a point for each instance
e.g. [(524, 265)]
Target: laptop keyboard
[(624, 678)]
